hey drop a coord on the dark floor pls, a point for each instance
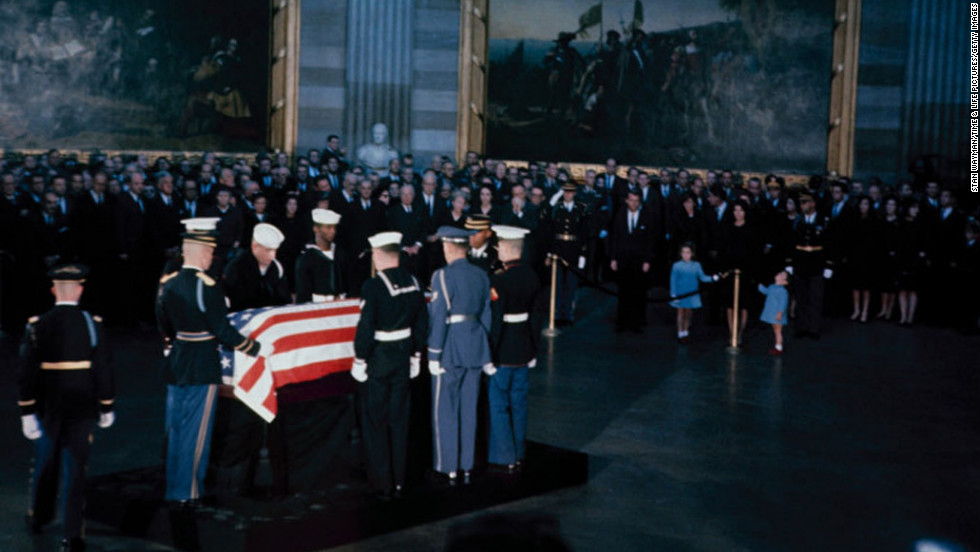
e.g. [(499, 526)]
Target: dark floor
[(868, 439)]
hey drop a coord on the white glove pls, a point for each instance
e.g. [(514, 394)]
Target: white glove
[(415, 365), (828, 273), (266, 349), (359, 370), (106, 419), (489, 369), (31, 426), (166, 350), (789, 270), (533, 362), (715, 277), (435, 369), (581, 263)]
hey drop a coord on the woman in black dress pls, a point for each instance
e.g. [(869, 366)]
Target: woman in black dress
[(298, 231), (456, 214), (485, 204), (888, 272), (911, 261), (687, 225), (863, 257), (740, 249)]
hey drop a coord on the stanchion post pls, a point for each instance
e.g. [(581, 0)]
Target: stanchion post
[(551, 330), (733, 346)]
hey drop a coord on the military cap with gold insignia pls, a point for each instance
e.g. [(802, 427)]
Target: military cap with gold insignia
[(477, 222), (68, 273), (201, 230)]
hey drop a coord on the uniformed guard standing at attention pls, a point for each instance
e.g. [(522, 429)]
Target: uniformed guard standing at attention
[(459, 325), (391, 335), (319, 270), (193, 319), (810, 266), (514, 346), (570, 223), (482, 253), (65, 386)]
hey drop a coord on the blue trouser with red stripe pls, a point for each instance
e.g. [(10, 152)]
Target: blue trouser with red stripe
[(190, 419)]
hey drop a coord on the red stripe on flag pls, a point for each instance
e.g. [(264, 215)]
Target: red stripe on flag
[(305, 315), (312, 371), (292, 342), (251, 377), (270, 402)]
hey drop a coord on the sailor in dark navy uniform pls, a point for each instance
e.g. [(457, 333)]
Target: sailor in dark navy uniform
[(255, 278), (514, 345), (193, 319), (319, 274), (570, 224), (482, 253), (810, 265), (459, 326), (391, 334), (65, 386)]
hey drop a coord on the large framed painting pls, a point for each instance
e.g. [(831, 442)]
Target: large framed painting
[(135, 74), (703, 83)]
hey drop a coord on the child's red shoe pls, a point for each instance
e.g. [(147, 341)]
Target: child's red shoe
[(775, 352)]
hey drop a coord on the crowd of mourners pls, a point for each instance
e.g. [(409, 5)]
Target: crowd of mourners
[(898, 252)]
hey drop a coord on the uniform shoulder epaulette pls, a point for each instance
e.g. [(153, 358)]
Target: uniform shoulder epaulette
[(33, 319), (167, 277), (208, 281)]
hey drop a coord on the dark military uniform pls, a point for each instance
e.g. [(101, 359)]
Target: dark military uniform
[(486, 258), (66, 381), (248, 288), (514, 344), (809, 259), (459, 323), (393, 326), (571, 232), (192, 316), (319, 277)]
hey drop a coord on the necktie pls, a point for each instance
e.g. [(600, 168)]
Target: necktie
[(48, 219), (632, 222), (140, 203), (428, 202)]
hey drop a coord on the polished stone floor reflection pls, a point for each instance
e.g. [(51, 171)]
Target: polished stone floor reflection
[(868, 439)]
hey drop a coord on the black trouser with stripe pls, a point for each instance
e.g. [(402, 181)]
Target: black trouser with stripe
[(64, 443)]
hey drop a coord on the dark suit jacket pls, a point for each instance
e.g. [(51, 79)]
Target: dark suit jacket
[(409, 224), (92, 228), (165, 227), (131, 225), (630, 251)]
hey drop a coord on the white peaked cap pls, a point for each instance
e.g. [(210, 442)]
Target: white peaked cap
[(504, 232), (385, 238), (267, 235), (325, 216), (201, 224)]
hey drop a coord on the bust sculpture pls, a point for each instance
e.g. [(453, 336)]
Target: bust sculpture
[(377, 154)]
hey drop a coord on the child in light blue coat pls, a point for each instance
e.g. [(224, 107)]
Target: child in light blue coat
[(774, 312), (685, 277)]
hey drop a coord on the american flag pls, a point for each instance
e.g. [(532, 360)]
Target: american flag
[(309, 341)]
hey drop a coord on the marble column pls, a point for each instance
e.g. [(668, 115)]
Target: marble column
[(379, 70)]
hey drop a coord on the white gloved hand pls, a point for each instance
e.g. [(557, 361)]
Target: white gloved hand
[(581, 263), (106, 419), (789, 270), (532, 363), (415, 365), (166, 350), (359, 370), (828, 273), (435, 369), (489, 369), (715, 277), (266, 349), (31, 426)]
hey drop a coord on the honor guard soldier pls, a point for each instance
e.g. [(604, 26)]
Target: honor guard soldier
[(481, 253), (193, 319), (255, 278), (570, 223), (319, 274), (388, 348), (459, 324), (810, 266), (65, 386), (514, 345)]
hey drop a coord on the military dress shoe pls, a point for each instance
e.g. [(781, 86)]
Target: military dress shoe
[(442, 479), (74, 544), (467, 476), (397, 492)]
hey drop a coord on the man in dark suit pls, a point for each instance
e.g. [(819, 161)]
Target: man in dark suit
[(92, 227), (717, 220), (48, 239), (133, 245), (230, 230), (165, 216), (404, 218), (432, 211), (631, 243), (365, 219)]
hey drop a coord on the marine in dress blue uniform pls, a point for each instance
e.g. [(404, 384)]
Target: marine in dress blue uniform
[(193, 319), (459, 326), (810, 265), (514, 346), (570, 223), (65, 386)]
